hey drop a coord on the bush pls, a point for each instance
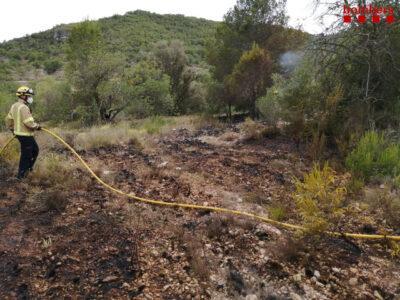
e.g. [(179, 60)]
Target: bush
[(53, 199), (277, 212), (374, 156), (148, 90), (269, 105), (7, 98), (319, 199), (51, 66), (54, 100)]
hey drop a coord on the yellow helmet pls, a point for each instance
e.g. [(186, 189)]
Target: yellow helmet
[(24, 90)]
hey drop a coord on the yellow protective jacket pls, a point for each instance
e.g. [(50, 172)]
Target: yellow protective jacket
[(20, 119)]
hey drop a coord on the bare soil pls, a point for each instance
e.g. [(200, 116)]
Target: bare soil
[(100, 245)]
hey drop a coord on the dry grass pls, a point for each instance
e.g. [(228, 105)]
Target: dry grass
[(49, 144), (196, 257), (105, 136), (252, 130), (52, 170), (52, 199), (289, 250), (386, 202), (218, 225), (257, 198), (202, 121), (194, 250), (11, 154)]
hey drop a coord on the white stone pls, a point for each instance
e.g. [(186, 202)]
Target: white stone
[(377, 295), (163, 164), (353, 281), (295, 296), (297, 277)]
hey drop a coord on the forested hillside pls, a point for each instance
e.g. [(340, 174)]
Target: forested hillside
[(132, 34)]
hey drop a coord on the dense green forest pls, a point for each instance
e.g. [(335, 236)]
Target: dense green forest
[(132, 34), (143, 64)]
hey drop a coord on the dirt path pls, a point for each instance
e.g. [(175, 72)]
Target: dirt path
[(101, 245)]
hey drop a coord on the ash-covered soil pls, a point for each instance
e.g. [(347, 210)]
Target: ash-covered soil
[(101, 245)]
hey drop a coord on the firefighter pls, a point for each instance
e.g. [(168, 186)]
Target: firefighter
[(20, 121)]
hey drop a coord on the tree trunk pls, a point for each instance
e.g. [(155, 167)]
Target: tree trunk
[(230, 113)]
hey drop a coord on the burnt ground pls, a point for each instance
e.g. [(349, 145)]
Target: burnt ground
[(100, 245)]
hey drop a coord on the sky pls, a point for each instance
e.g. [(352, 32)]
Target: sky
[(22, 17)]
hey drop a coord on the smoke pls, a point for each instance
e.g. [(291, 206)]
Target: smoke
[(290, 59)]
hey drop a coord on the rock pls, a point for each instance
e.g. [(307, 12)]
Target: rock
[(377, 295), (269, 229), (162, 165), (237, 280), (126, 285), (80, 209), (317, 274), (261, 234), (353, 281), (166, 287), (110, 279), (297, 277), (251, 297), (295, 296), (336, 270)]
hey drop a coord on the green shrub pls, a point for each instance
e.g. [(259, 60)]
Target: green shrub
[(277, 212), (374, 156), (154, 125), (54, 100), (51, 66), (319, 199), (269, 105)]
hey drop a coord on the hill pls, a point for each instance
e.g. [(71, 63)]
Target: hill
[(132, 34)]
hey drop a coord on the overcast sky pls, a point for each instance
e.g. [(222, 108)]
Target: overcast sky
[(21, 17)]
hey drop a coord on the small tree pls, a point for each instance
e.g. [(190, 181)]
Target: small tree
[(319, 199), (172, 60), (90, 67), (149, 90), (248, 22), (54, 100), (250, 77)]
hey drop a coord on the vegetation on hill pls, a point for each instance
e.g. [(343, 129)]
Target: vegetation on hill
[(132, 34)]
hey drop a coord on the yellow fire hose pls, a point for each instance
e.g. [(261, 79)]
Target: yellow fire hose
[(202, 207)]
